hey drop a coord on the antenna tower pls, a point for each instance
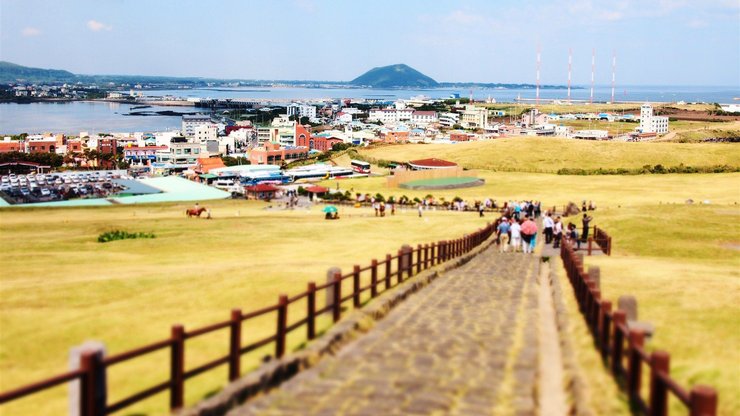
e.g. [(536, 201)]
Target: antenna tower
[(593, 69), (614, 72), (537, 99), (570, 67)]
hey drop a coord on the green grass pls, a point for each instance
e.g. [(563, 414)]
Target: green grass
[(546, 155), (60, 287)]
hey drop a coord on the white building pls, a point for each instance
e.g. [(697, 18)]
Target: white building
[(190, 122), (474, 117), (206, 132), (650, 123), (449, 119), (302, 110), (591, 134), (424, 117)]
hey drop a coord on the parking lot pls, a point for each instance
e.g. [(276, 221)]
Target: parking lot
[(30, 188)]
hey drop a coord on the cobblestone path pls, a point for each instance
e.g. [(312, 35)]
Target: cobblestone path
[(465, 345)]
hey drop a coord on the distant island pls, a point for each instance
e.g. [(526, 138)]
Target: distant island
[(394, 76), (391, 76)]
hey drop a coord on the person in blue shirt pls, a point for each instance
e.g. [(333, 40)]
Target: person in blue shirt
[(503, 236)]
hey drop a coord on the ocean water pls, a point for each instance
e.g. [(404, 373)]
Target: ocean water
[(74, 117)]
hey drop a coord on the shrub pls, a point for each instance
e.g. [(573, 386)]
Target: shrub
[(121, 235)]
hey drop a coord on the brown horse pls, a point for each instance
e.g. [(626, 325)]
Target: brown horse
[(194, 212)]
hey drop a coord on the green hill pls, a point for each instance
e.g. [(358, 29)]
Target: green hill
[(10, 72), (399, 75)]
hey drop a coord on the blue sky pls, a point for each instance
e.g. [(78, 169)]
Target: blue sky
[(657, 42)]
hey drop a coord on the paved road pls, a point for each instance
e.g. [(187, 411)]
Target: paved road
[(465, 345)]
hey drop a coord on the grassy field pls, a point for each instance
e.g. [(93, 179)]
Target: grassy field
[(682, 263), (517, 109), (60, 287), (605, 190), (550, 154)]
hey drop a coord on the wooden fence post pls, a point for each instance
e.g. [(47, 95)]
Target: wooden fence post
[(387, 271), (426, 256), (282, 323), (356, 286), (177, 368), (419, 253), (432, 253), (636, 340), (619, 319), (331, 286), (311, 311), (374, 278), (92, 389), (659, 363), (235, 340), (606, 310), (399, 272), (337, 302), (703, 401)]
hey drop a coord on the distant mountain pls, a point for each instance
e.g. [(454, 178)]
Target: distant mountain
[(10, 72), (393, 76)]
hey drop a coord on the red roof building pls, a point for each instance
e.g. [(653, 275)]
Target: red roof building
[(263, 191), (11, 146), (431, 163)]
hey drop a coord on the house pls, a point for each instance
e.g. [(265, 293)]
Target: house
[(461, 136), (205, 164), (262, 191), (321, 143)]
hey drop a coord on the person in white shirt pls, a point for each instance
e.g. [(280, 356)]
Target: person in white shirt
[(516, 234), (558, 230), (548, 225)]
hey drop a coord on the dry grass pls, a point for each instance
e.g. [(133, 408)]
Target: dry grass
[(681, 265), (605, 191), (550, 154), (59, 287)]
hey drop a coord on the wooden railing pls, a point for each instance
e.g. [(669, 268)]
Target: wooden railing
[(617, 343), (383, 275), (603, 239)]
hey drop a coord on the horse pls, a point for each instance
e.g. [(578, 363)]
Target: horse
[(194, 212)]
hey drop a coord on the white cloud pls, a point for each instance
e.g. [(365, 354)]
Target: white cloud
[(96, 26), (463, 18), (30, 31), (697, 23), (307, 6)]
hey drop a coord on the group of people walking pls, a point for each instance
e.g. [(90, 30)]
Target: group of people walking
[(517, 233), (520, 232)]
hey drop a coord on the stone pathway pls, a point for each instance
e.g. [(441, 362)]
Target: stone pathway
[(465, 345)]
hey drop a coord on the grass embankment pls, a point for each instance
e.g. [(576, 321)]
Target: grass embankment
[(545, 155), (60, 287), (682, 263)]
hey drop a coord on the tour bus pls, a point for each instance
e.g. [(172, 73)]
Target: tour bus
[(361, 167), (318, 171)]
